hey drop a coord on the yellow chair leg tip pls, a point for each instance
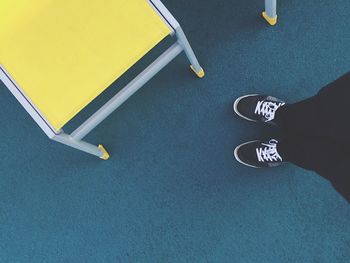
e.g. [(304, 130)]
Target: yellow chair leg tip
[(271, 20), (105, 155), (200, 73)]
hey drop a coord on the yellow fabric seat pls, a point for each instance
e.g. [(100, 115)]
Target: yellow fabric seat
[(65, 53)]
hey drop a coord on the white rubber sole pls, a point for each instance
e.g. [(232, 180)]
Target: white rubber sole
[(235, 153), (236, 103)]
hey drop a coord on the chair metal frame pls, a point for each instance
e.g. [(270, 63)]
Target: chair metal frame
[(270, 13), (75, 139)]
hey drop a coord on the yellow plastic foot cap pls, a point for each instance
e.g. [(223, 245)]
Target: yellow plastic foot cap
[(200, 73), (271, 20), (105, 155)]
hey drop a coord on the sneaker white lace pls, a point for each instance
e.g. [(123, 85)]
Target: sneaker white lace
[(267, 109), (269, 152)]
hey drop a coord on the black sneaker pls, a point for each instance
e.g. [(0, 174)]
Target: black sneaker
[(258, 154), (258, 108)]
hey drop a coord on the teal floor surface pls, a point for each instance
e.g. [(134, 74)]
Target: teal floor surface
[(171, 191)]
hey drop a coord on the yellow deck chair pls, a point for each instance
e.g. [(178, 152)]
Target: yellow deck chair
[(57, 56)]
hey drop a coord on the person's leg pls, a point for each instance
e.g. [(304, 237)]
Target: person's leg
[(319, 154), (325, 114), (317, 133), (328, 158)]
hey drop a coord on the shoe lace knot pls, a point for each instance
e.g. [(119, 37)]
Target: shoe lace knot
[(268, 152), (267, 109)]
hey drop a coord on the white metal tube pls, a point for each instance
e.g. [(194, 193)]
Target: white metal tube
[(77, 144), (29, 106), (127, 91), (188, 49), (271, 8)]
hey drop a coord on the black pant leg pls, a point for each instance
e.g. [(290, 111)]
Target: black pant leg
[(327, 157), (326, 114), (318, 133), (318, 154)]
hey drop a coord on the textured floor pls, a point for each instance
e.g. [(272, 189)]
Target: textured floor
[(171, 191)]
